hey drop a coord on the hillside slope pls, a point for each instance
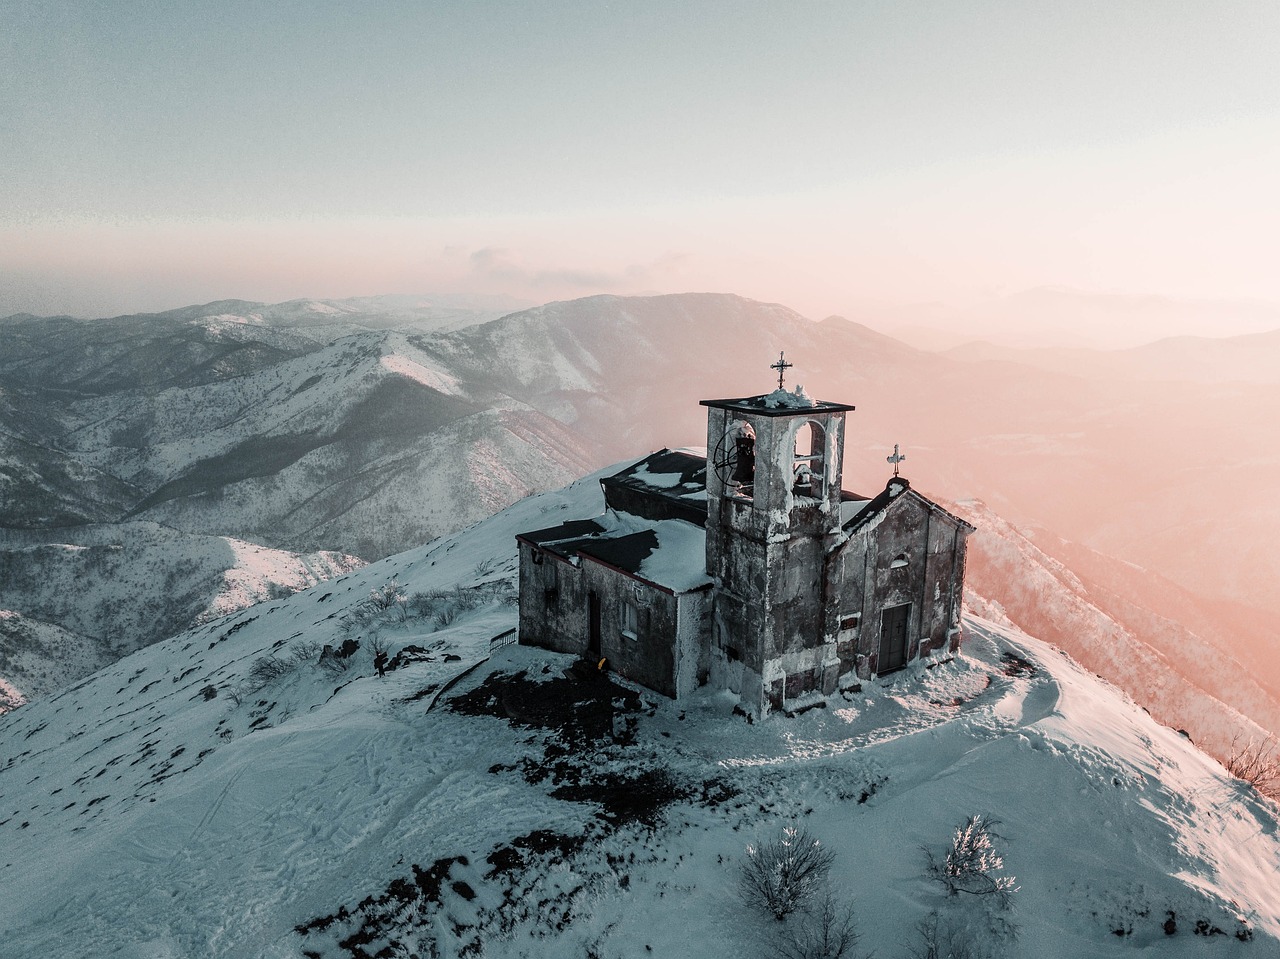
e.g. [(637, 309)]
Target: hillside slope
[(91, 594), (161, 442), (1187, 679), (175, 805)]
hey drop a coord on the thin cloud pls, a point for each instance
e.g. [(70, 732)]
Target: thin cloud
[(503, 266)]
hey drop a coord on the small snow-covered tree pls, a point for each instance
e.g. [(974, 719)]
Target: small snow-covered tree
[(389, 596), (971, 863), (783, 874)]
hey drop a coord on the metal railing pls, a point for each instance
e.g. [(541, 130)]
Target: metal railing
[(504, 639)]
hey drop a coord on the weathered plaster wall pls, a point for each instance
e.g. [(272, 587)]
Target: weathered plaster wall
[(929, 548), (693, 627), (553, 602), (646, 656)]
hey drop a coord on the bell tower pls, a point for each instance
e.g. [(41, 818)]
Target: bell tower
[(773, 518)]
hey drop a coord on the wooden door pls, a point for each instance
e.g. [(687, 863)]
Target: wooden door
[(893, 638)]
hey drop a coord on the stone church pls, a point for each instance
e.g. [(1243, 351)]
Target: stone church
[(749, 567)]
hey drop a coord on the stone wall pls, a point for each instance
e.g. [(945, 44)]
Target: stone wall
[(911, 555), (553, 603)]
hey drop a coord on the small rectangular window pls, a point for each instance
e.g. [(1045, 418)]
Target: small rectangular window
[(551, 597), (630, 620)]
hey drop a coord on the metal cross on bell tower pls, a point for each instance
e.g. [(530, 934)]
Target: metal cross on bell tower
[(895, 459), (781, 366)]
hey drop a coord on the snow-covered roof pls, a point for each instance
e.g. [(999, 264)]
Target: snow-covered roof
[(779, 403), (668, 484), (851, 505), (670, 554)]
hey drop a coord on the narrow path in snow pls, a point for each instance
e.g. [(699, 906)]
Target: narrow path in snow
[(1009, 692)]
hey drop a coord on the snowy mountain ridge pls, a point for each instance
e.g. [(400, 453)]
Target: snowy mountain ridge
[(225, 793)]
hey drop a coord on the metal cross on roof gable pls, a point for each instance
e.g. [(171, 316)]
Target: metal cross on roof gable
[(895, 459), (781, 366)]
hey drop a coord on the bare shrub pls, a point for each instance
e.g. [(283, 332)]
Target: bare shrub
[(485, 567), (825, 931), (783, 874), (971, 863), (357, 619), (423, 605), (267, 669), (940, 940), (1256, 762), (333, 661), (469, 599), (304, 653), (442, 606)]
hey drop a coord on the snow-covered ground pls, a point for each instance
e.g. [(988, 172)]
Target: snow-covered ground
[(174, 805)]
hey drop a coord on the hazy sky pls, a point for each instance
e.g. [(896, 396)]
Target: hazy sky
[(825, 155)]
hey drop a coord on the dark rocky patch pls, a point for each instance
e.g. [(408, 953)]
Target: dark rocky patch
[(580, 707), (626, 798), (540, 845), (379, 916), (1014, 665)]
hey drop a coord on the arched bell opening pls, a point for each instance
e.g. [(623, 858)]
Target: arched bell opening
[(809, 461), (734, 460)]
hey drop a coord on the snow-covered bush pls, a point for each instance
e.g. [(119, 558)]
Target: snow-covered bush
[(1257, 763), (389, 598), (305, 652), (386, 604), (784, 874), (269, 669), (442, 606), (971, 863)]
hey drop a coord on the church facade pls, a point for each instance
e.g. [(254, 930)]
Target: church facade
[(749, 568)]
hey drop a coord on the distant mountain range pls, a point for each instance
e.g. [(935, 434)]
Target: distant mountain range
[(366, 429)]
